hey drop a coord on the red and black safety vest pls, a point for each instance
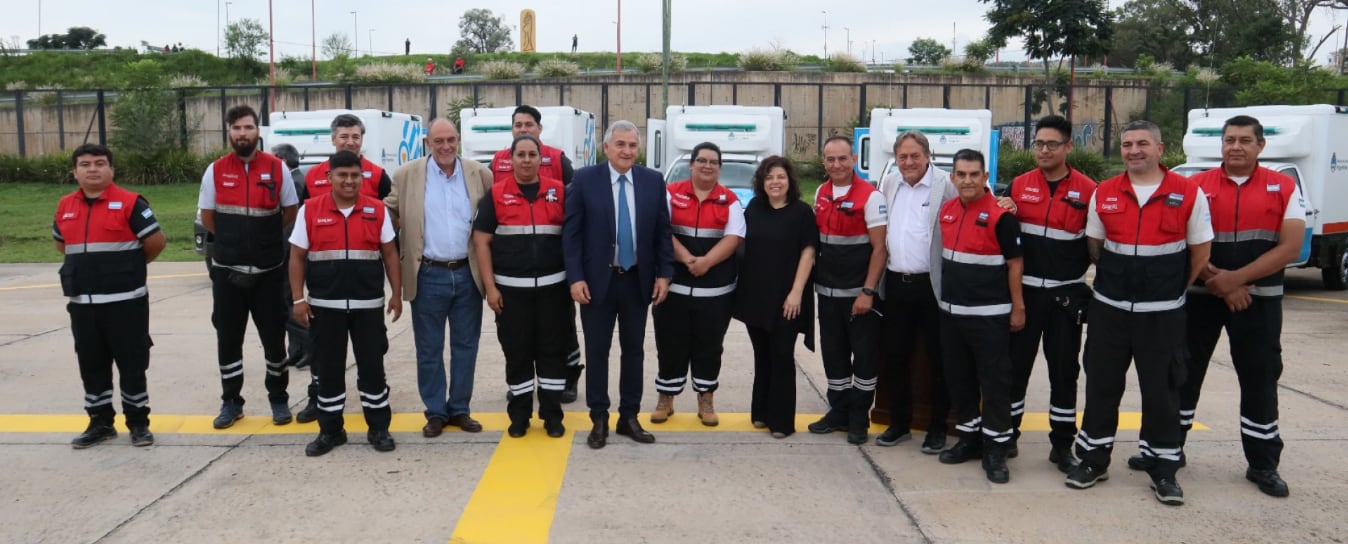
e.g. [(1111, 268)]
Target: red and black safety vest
[(844, 241), (316, 181), (345, 267), (526, 248), (1144, 264), (104, 259), (1053, 227), (249, 235), (1246, 220), (973, 270), (549, 165), (699, 225)]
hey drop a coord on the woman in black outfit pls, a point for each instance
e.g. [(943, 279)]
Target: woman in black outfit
[(772, 296)]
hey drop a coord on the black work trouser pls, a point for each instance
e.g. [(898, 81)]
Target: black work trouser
[(912, 316), (848, 346), (1255, 335), (690, 334), (107, 334), (369, 342), (533, 328), (1155, 342), (1050, 314), (774, 391), (265, 300), (978, 367)]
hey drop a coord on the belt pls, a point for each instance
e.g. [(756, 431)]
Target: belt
[(911, 278), (452, 265), (620, 270)]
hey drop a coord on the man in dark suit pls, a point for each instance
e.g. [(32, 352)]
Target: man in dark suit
[(619, 251)]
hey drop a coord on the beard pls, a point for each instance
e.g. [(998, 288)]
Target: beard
[(243, 148)]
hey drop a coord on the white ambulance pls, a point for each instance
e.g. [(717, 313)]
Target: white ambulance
[(745, 134)]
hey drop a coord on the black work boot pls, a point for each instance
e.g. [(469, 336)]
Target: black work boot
[(570, 391), (97, 431)]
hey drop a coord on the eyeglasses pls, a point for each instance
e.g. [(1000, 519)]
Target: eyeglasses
[(1051, 145), (707, 162)]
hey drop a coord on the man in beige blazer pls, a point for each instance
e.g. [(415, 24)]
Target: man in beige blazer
[(433, 200), (912, 285)]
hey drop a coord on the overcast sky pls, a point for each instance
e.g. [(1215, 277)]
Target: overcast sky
[(698, 25)]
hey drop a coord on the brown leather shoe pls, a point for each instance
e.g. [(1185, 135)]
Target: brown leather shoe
[(434, 426), (631, 428), (598, 435), (467, 424)]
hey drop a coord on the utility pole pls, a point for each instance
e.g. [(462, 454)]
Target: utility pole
[(355, 36), (664, 72), (825, 32), (848, 31), (313, 41), (271, 59), (620, 37)]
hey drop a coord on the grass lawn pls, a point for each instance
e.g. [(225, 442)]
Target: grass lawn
[(27, 209)]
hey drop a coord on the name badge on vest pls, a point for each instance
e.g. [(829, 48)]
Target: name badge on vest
[(1174, 200), (982, 220), (1274, 187), (552, 195), (547, 160), (366, 174), (266, 177), (367, 209), (846, 205), (114, 205), (1074, 195)]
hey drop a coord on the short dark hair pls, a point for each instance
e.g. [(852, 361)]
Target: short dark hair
[(523, 137), (704, 146), (343, 159), (1245, 121), (530, 110), (838, 138), (793, 183), (1143, 124), (90, 149), (347, 120), (1055, 122), (971, 155), (239, 112), (288, 153)]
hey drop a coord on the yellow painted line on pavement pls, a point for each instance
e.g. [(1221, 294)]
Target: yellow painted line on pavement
[(50, 285), (516, 498), (412, 423), (1317, 299)]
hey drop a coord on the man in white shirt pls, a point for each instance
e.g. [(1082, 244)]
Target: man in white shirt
[(911, 285)]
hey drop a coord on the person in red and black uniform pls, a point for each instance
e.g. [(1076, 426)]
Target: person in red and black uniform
[(247, 198), (108, 234), (342, 247), (1148, 232), (708, 224), (981, 304), (518, 240), (1258, 219), (348, 134), (1050, 202), (852, 223), (553, 164)]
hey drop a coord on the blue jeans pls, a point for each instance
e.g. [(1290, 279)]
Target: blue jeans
[(446, 295)]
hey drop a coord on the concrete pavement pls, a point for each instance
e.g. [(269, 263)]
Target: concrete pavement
[(729, 484)]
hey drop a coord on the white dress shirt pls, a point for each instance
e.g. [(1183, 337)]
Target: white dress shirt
[(909, 236)]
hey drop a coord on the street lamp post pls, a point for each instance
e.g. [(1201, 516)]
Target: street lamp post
[(848, 31), (620, 38), (227, 4), (313, 41), (825, 32), (355, 36), (369, 44)]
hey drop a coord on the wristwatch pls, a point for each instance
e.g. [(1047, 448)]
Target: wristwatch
[(868, 291)]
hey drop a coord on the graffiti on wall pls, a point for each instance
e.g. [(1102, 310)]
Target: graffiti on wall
[(1085, 135)]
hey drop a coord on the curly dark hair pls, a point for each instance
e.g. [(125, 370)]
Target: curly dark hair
[(793, 182)]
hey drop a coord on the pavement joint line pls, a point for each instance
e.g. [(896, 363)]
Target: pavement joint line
[(411, 422), (1317, 299), (1231, 366), (888, 484), (51, 285), (26, 337)]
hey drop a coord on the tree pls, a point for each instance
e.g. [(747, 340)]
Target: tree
[(1207, 32), (336, 45), (483, 32), (76, 37), (1298, 15), (245, 38), (927, 51), (1052, 28), (979, 51)]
